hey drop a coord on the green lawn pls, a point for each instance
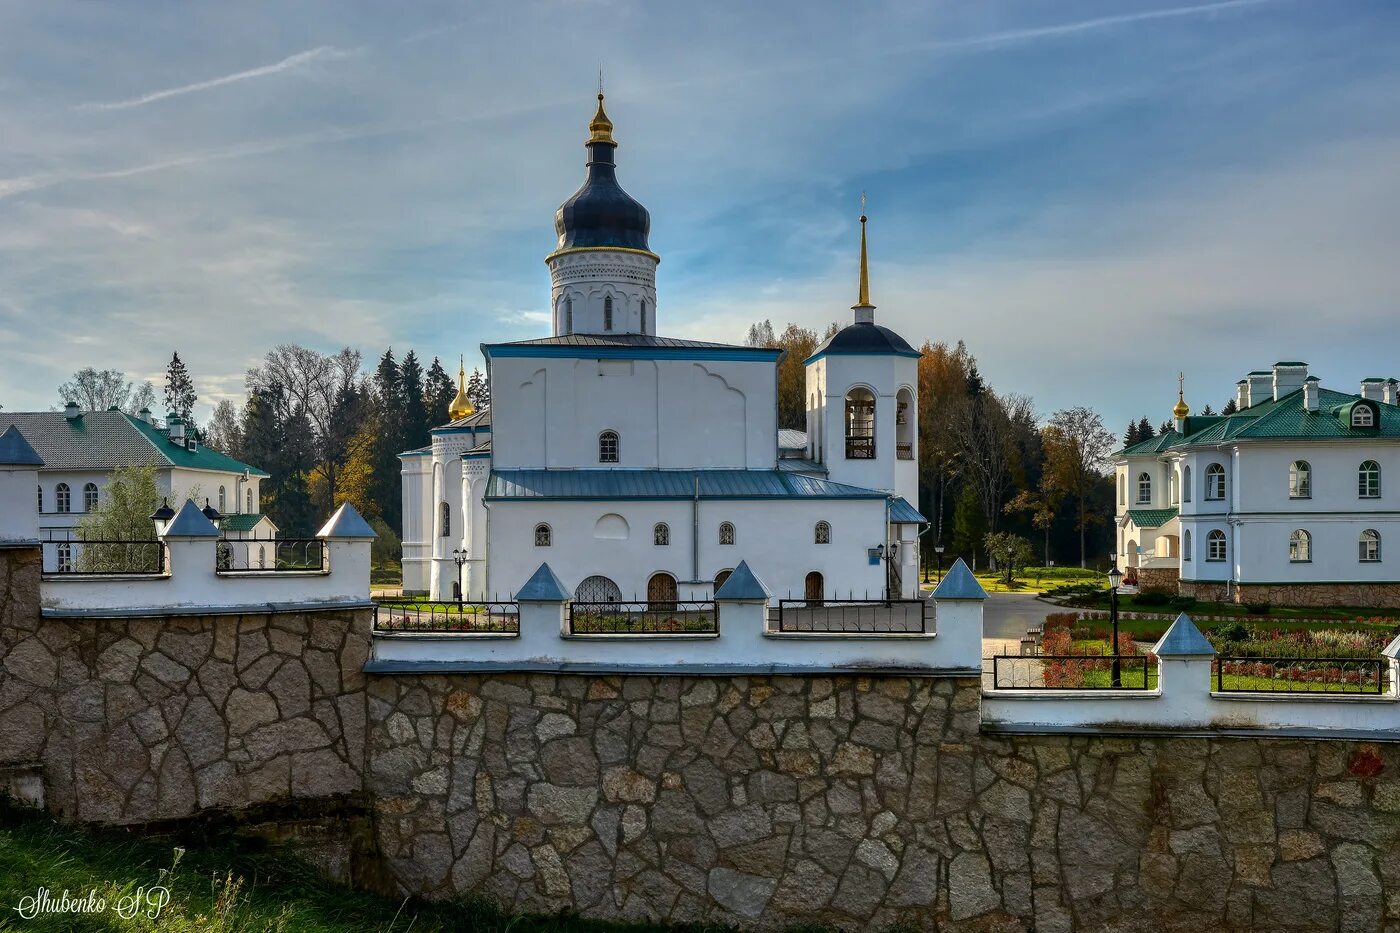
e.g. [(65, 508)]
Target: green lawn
[(1032, 579), (218, 885)]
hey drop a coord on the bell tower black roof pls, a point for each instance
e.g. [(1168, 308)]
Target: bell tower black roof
[(600, 213)]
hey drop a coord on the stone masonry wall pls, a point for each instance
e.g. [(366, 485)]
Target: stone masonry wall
[(1157, 577), (1322, 595), (136, 720), (769, 801)]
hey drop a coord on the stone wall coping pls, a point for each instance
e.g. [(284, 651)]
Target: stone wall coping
[(1387, 736), (270, 574), (1094, 693), (110, 577), (697, 670), (1306, 697), (851, 636), (19, 543), (244, 609), (445, 636), (632, 636)]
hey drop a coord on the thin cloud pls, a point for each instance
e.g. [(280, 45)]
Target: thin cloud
[(290, 63)]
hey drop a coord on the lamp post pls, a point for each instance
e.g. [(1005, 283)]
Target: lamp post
[(938, 550), (1115, 578), (888, 554), (459, 557)]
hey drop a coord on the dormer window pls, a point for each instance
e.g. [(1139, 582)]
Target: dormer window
[(1362, 416)]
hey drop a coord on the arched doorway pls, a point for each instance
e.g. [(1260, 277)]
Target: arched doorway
[(598, 589), (812, 588), (720, 578), (661, 592)]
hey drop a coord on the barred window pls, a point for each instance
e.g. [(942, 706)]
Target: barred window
[(542, 535), (608, 447), (726, 533), (822, 533), (661, 534)]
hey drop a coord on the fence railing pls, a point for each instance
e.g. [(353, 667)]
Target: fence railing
[(699, 617), (904, 451), (860, 448), (1246, 674), (77, 556), (270, 555), (447, 617), (855, 616), (1072, 672)]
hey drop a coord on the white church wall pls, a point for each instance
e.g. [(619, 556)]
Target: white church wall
[(776, 537), (884, 375), (416, 478), (668, 413)]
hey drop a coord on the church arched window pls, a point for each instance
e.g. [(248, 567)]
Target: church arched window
[(63, 498), (726, 533), (568, 315), (822, 534), (607, 313), (860, 424), (542, 535), (608, 447), (89, 497), (661, 534), (445, 525), (643, 328)]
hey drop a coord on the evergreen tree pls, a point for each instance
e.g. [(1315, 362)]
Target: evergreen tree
[(969, 523), (478, 390), (1208, 411), (1133, 435), (415, 412), (1145, 429), (1165, 428), (438, 392), (284, 450), (975, 385), (387, 421), (179, 389), (1230, 408)]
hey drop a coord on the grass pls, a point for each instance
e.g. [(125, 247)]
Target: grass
[(1352, 616), (1033, 579), (218, 884)]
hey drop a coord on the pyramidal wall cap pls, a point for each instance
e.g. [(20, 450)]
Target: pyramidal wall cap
[(743, 583), (15, 450), (190, 522), (1183, 640), (544, 586), (1392, 650), (959, 583), (347, 522)]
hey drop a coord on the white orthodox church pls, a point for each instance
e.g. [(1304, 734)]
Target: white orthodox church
[(646, 467)]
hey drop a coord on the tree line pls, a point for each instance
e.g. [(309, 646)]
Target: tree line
[(327, 431), (987, 466)]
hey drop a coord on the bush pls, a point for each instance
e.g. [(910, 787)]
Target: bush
[(1181, 603), (1230, 631), (1257, 609), (1154, 596)]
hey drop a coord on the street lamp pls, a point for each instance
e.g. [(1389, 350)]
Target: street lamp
[(938, 550), (459, 557), (1115, 578)]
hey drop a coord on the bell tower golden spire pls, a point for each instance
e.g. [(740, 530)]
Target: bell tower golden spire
[(461, 405), (865, 311), (1181, 409)]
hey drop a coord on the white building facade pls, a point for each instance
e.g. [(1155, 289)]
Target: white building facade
[(643, 467), (1284, 501)]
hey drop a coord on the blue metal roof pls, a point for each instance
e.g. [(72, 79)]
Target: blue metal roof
[(190, 522), (902, 513), (742, 584), (347, 522), (667, 484), (544, 586), (1183, 640), (16, 451), (959, 583)]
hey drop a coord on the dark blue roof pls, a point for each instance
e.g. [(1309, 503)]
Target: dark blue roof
[(902, 513), (601, 213), (864, 339), (15, 450), (667, 484)]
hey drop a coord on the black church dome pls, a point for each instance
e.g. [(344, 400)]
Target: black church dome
[(600, 213)]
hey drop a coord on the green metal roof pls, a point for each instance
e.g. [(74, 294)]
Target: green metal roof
[(1151, 518), (201, 458), (1153, 445), (108, 440), (241, 522)]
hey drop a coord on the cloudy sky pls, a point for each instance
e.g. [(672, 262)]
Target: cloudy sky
[(1093, 194)]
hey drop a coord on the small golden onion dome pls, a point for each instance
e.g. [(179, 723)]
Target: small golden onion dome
[(461, 405), (600, 127), (1181, 409)]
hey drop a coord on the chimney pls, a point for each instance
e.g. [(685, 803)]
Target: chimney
[(145, 415), (71, 412), (1242, 394), (1261, 387), (1288, 377), (175, 428), (1310, 386), (1373, 388), (1391, 393)]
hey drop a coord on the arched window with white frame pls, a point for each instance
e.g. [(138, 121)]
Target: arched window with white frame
[(661, 534), (822, 533), (1368, 480), (608, 447), (1215, 482), (1144, 489), (63, 498), (1300, 480), (1186, 483), (89, 497), (1186, 544), (1363, 417), (222, 506), (1300, 547), (726, 533), (544, 536), (1370, 546), (1122, 489), (1215, 545)]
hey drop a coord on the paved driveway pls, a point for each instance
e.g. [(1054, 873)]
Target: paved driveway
[(1008, 615)]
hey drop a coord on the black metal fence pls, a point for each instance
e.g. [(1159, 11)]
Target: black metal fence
[(1071, 672), (855, 616), (698, 617), (271, 555), (447, 617), (75, 555), (1248, 674)]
